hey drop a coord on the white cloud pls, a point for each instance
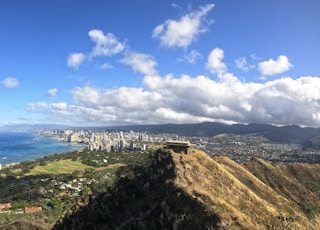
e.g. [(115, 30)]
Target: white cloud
[(105, 44), (273, 67), (176, 6), (106, 65), (216, 66), (52, 92), (134, 99), (44, 105), (183, 32), (243, 64), (139, 62), (214, 63), (255, 57), (106, 105), (37, 106), (192, 57), (187, 99), (10, 82), (278, 102), (58, 106), (55, 112), (75, 60)]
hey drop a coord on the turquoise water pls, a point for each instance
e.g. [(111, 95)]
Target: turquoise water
[(18, 147)]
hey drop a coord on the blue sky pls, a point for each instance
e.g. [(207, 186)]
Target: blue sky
[(122, 62)]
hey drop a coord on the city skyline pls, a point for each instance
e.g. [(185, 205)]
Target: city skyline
[(104, 63)]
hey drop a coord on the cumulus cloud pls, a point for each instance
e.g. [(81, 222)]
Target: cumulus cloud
[(191, 57), (277, 102), (243, 64), (187, 99), (10, 82), (139, 62), (44, 105), (52, 92), (37, 106), (182, 32), (75, 60), (105, 44), (214, 63), (106, 105), (130, 105), (273, 67), (58, 106)]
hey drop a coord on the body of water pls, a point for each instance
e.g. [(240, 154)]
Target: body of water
[(19, 146)]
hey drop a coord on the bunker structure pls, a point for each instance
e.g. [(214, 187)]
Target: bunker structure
[(178, 146)]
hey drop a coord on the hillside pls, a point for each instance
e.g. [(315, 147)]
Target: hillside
[(196, 191), (297, 182)]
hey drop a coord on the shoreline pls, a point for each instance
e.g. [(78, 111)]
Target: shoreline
[(32, 146), (3, 166)]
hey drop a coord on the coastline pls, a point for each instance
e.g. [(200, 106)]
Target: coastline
[(17, 147), (3, 166)]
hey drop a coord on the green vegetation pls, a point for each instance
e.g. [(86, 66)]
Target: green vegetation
[(59, 167), (313, 186), (151, 185), (59, 181)]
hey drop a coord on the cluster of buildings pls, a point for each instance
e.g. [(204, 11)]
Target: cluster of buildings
[(54, 188), (72, 188), (115, 141), (241, 148), (6, 208), (106, 141)]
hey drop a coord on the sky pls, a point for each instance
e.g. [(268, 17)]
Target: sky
[(120, 62)]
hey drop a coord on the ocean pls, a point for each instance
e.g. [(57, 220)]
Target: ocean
[(22, 146)]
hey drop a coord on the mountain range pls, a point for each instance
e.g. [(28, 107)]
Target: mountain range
[(281, 134)]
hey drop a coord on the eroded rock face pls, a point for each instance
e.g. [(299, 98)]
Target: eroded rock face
[(144, 198)]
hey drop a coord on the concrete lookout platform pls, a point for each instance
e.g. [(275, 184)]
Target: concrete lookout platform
[(178, 146)]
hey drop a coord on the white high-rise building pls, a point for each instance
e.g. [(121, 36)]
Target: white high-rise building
[(122, 144)]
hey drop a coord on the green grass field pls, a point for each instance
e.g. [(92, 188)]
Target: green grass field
[(68, 167), (111, 166), (59, 167)]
